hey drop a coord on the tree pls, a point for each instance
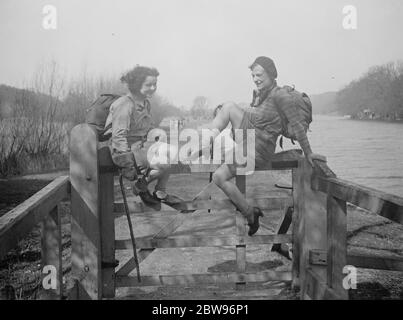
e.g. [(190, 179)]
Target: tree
[(379, 91), (200, 107), (162, 108)]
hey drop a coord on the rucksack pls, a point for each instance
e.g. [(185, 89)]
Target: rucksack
[(304, 106), (98, 112)]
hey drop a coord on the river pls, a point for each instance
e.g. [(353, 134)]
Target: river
[(366, 152)]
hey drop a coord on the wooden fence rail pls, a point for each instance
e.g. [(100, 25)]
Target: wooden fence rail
[(340, 192), (41, 208), (18, 222)]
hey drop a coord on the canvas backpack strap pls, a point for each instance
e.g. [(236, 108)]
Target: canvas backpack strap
[(283, 118)]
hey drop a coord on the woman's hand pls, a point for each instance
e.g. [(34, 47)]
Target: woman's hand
[(314, 156)]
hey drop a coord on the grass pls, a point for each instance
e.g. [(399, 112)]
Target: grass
[(13, 192), (28, 145)]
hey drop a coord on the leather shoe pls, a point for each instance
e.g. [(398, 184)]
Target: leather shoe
[(167, 198), (149, 200), (254, 225)]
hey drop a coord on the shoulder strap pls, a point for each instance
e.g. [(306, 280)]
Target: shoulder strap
[(281, 113)]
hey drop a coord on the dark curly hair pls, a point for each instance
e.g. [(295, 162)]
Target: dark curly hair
[(218, 108), (135, 77)]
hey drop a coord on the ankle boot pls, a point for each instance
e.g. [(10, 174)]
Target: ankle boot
[(253, 220)]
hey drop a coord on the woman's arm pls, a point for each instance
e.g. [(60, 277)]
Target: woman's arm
[(120, 127), (122, 156)]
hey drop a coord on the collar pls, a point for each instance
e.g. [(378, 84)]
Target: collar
[(265, 91), (139, 101), (260, 95)]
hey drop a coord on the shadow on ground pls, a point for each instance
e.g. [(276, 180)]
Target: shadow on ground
[(231, 266)]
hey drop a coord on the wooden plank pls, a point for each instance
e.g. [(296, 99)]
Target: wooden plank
[(194, 279), (298, 226), (322, 169), (51, 244), (107, 222), (240, 250), (281, 161), (205, 193), (134, 207), (267, 203), (317, 289), (371, 262), (336, 244), (311, 208), (105, 163), (384, 204), (85, 212), (18, 222), (72, 293), (253, 292), (240, 224), (143, 253), (77, 292), (319, 257), (206, 168), (130, 264), (202, 241)]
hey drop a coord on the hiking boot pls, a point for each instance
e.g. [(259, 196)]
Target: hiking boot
[(166, 198), (149, 200), (139, 186), (253, 220)]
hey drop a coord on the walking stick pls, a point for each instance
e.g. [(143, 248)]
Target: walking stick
[(211, 174), (136, 260)]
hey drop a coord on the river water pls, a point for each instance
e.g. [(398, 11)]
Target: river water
[(366, 152)]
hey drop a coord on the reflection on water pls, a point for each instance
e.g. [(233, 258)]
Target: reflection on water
[(366, 152)]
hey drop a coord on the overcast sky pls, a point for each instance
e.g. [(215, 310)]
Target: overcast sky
[(202, 47)]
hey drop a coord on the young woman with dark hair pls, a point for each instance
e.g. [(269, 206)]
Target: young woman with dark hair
[(130, 117)]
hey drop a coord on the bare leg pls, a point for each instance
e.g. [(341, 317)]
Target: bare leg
[(161, 173), (222, 178), (229, 113), (159, 157)]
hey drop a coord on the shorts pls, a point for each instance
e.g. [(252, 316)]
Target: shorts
[(264, 147), (151, 154)]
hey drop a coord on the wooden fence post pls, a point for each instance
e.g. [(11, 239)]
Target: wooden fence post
[(51, 243), (107, 219), (310, 228), (241, 230), (297, 225), (85, 212), (336, 244)]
